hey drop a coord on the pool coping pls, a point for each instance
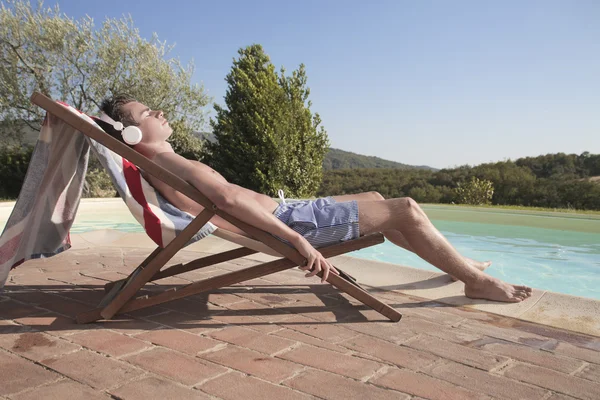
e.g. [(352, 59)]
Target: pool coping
[(558, 310)]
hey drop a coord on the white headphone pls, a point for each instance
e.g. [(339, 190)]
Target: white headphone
[(132, 135)]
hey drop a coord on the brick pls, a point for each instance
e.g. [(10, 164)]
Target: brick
[(530, 355), (591, 372), (556, 381), (334, 387), (260, 311), (399, 355), (224, 299), (13, 310), (267, 297), (180, 340), (465, 312), (8, 327), (508, 334), (92, 369), (335, 315), (252, 340), (253, 363), (89, 297), (250, 283), (581, 353), (186, 322), (455, 352), (130, 326), (247, 321), (65, 307), (450, 333), (152, 388), (31, 297), (234, 386), (107, 342), (331, 361), (35, 345), (312, 298), (19, 374), (482, 382), (325, 331), (292, 277), (559, 335), (304, 338), (196, 308), (65, 389), (431, 314), (54, 324), (178, 367), (388, 331), (422, 385)]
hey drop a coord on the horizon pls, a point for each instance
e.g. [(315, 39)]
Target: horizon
[(428, 83)]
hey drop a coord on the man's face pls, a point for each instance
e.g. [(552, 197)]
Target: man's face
[(153, 124)]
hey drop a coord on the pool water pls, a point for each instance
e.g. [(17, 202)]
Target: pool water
[(548, 259)]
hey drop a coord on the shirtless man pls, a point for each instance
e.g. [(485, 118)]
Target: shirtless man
[(307, 225)]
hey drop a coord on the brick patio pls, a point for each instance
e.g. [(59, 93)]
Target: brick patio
[(281, 337)]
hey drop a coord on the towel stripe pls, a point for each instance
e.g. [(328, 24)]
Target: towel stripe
[(134, 182)]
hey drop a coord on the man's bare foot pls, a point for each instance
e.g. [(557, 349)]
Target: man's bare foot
[(480, 265), (494, 289)]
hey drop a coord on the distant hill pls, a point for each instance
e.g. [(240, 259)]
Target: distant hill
[(340, 159)]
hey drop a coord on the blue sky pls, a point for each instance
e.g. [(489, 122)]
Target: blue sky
[(440, 83)]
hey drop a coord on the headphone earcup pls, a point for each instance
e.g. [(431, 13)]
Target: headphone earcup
[(132, 135)]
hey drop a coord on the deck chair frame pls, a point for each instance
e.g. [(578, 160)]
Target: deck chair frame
[(120, 297)]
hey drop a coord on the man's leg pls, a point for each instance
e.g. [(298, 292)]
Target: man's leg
[(396, 236), (406, 216)]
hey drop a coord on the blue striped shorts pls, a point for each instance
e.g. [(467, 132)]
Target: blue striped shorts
[(322, 222)]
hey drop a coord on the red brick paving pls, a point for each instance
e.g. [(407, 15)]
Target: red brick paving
[(286, 338)]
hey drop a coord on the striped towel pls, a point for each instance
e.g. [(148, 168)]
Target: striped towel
[(45, 210)]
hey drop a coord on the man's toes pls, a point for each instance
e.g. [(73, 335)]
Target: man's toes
[(516, 299)]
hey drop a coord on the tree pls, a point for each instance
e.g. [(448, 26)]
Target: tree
[(267, 137), (43, 50), (475, 192)]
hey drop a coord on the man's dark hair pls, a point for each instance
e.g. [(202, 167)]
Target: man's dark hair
[(113, 107)]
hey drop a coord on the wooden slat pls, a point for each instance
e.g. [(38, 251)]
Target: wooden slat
[(258, 271), (204, 262), (157, 263), (193, 265)]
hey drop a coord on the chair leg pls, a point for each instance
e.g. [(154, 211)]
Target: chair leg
[(108, 287), (157, 262)]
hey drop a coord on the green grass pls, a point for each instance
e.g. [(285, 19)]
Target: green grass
[(523, 208)]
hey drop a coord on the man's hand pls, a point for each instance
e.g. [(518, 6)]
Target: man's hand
[(315, 260)]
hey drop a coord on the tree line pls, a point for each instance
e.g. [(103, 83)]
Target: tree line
[(552, 180)]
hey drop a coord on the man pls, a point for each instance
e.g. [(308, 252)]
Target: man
[(307, 224)]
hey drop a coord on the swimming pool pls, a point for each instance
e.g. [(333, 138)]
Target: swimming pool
[(548, 259)]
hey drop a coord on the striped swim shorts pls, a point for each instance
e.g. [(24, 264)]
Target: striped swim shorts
[(322, 222)]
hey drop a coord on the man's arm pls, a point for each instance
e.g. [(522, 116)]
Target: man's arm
[(237, 202)]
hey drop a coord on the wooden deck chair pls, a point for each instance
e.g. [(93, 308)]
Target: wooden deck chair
[(120, 297)]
